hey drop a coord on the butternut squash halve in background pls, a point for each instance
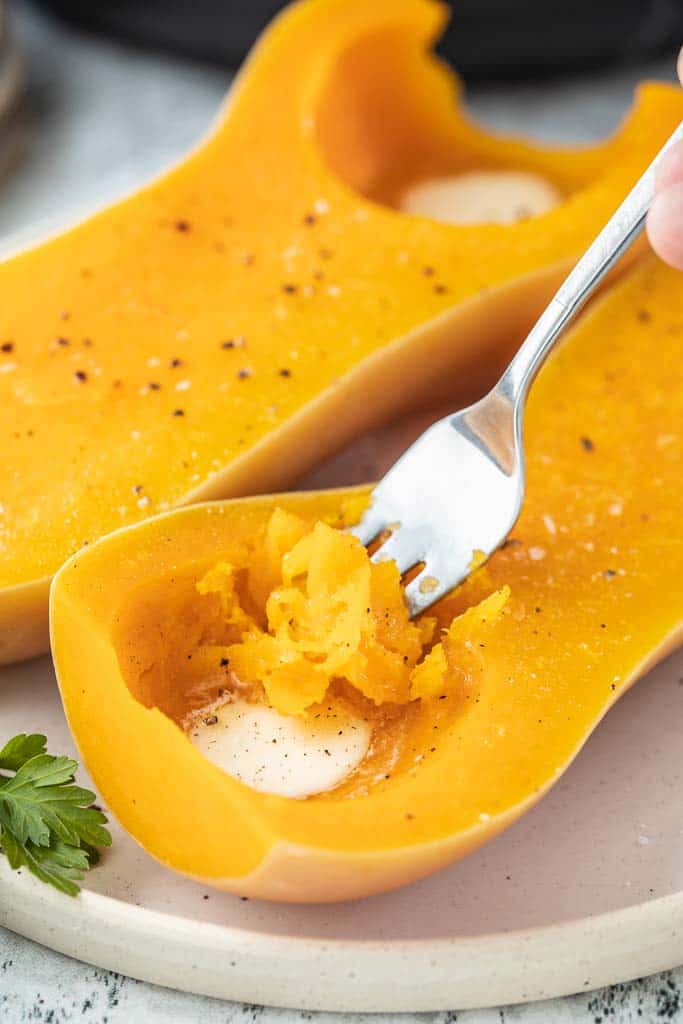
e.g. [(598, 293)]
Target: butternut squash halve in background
[(221, 330)]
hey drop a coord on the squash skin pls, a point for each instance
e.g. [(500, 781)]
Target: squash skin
[(23, 629), (594, 567), (202, 255)]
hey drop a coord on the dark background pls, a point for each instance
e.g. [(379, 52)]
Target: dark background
[(487, 39)]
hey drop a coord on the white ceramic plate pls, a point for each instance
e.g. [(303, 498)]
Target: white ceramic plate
[(585, 891)]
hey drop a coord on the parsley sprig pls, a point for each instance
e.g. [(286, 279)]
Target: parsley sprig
[(47, 824)]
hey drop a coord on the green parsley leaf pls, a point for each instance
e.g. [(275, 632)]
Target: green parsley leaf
[(21, 749), (47, 823), (58, 864)]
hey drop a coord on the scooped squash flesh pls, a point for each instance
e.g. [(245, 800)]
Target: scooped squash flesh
[(221, 330), (593, 567)]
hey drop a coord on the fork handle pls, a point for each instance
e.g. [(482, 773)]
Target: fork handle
[(618, 234)]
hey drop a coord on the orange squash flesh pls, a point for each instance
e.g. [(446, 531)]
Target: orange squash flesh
[(594, 567), (211, 335), (297, 617)]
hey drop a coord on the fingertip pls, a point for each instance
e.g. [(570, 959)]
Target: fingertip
[(670, 169), (665, 225)]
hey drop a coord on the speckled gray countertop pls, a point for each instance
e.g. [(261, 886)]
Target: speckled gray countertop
[(99, 119)]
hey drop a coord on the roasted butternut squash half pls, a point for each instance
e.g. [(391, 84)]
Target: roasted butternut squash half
[(222, 329), (446, 731)]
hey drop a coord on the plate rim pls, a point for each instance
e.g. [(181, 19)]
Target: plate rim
[(359, 975)]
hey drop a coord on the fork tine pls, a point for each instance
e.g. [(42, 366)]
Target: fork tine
[(420, 595), (369, 526), (401, 547)]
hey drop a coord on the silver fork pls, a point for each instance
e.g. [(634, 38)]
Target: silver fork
[(455, 494)]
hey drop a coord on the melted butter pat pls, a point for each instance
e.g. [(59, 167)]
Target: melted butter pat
[(288, 756), (482, 197)]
